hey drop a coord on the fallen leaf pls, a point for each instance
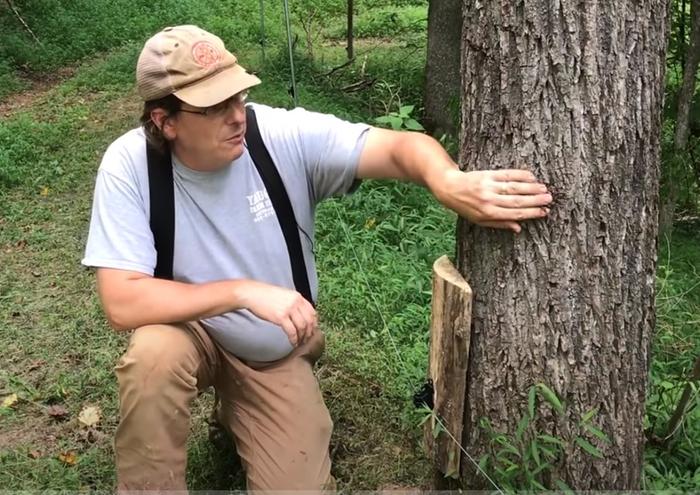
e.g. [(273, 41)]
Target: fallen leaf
[(90, 416), (34, 454), (68, 458), (44, 191), (9, 401), (57, 411)]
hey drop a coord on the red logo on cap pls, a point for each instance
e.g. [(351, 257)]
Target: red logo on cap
[(206, 54)]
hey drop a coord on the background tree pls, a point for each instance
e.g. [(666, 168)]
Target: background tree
[(441, 99), (350, 30), (689, 80), (574, 95)]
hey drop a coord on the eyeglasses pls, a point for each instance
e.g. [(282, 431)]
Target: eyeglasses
[(222, 108)]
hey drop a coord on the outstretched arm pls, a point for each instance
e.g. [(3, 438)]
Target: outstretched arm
[(491, 198)]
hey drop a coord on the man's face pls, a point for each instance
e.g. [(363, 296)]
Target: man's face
[(209, 138)]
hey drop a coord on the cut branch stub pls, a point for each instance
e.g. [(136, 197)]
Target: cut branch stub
[(450, 332)]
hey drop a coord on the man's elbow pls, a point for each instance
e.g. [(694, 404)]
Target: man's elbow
[(117, 318)]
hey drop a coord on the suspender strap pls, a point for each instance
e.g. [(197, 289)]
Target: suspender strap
[(162, 203), (280, 202)]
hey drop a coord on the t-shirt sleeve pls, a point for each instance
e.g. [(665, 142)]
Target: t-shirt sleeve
[(330, 149), (120, 235)]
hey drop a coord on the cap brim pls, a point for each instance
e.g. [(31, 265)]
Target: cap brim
[(218, 87)]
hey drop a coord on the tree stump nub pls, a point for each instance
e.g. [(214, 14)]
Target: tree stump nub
[(450, 331)]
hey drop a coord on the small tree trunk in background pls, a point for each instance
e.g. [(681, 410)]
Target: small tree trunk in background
[(442, 66), (351, 37), (574, 94), (680, 47), (685, 97)]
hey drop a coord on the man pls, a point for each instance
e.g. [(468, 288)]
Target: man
[(231, 317)]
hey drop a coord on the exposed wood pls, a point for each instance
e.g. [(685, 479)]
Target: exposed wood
[(449, 355), (572, 91)]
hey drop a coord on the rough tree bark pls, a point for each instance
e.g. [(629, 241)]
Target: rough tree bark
[(574, 94), (441, 93)]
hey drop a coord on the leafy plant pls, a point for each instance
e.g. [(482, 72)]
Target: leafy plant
[(527, 459), (401, 120)]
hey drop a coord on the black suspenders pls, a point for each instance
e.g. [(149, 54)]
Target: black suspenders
[(162, 203)]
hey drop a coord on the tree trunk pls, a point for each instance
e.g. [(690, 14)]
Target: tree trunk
[(350, 34), (685, 97), (574, 95), (442, 86)]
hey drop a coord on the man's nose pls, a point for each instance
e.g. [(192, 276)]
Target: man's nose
[(235, 114)]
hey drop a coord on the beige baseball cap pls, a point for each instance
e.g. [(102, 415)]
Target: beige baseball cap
[(193, 65)]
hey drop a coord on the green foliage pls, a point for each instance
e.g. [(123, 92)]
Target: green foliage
[(676, 346), (385, 22), (71, 31), (527, 460), (9, 82), (401, 120)]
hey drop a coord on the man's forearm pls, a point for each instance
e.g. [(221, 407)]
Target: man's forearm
[(410, 156), (422, 159), (134, 302)]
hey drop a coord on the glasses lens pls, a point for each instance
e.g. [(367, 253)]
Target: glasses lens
[(220, 109)]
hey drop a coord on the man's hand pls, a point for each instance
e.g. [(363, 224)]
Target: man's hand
[(492, 198), (284, 307)]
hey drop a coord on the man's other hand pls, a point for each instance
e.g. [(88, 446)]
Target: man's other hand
[(284, 307)]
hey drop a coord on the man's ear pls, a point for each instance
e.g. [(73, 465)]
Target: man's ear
[(164, 122)]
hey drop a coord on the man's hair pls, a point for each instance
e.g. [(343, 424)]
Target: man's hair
[(171, 104)]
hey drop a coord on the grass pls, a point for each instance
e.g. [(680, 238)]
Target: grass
[(374, 248), (57, 348)]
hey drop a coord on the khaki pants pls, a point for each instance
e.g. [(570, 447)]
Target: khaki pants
[(274, 411)]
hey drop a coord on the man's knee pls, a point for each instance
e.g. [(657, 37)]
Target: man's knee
[(157, 356), (297, 464)]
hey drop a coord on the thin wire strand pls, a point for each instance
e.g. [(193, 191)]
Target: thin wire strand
[(442, 425), (369, 289), (396, 349)]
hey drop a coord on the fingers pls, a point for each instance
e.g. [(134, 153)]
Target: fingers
[(515, 175), (518, 188), (300, 321), (291, 330), (521, 201), (305, 322)]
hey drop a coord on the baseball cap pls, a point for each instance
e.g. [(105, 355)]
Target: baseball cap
[(193, 65)]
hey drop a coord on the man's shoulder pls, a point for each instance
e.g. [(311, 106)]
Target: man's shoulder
[(126, 155), (132, 141), (278, 122)]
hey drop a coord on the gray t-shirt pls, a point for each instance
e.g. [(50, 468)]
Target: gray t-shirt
[(225, 226)]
